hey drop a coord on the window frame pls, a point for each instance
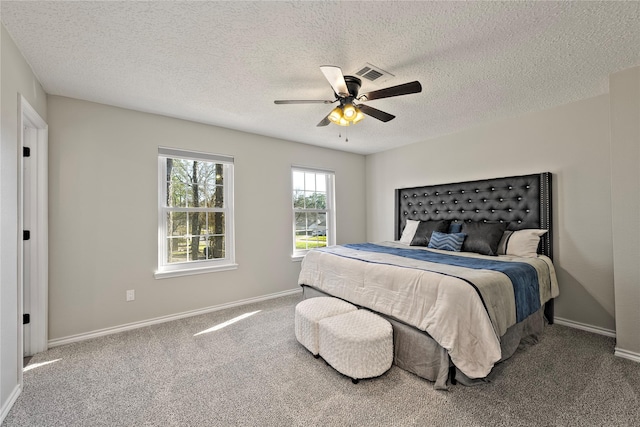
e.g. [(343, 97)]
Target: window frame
[(330, 208), (165, 269)]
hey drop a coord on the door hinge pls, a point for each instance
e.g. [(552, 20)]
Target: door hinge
[(26, 318), (26, 152), (26, 234)]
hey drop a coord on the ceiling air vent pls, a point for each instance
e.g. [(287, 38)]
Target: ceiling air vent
[(373, 74)]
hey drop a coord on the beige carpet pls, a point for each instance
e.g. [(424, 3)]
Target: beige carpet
[(253, 372)]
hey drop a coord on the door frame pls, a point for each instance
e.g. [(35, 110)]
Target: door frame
[(36, 138)]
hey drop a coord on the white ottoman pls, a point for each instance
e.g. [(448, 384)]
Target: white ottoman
[(358, 344), (310, 311)]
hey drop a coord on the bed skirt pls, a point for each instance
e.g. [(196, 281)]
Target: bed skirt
[(415, 351)]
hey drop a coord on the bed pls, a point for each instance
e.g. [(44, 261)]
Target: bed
[(468, 277)]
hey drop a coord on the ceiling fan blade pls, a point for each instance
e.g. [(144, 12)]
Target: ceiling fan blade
[(403, 89), (375, 113), (324, 122), (303, 101), (336, 79)]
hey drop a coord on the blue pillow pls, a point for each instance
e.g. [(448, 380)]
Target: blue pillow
[(455, 227), (447, 241)]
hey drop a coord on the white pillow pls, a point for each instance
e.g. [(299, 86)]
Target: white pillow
[(409, 231), (520, 243)]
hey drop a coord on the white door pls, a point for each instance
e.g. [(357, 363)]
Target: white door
[(33, 252)]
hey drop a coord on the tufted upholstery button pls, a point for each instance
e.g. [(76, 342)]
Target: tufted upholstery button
[(443, 202), (519, 198), (484, 220), (528, 186), (493, 189), (405, 196), (484, 200), (430, 203), (420, 204), (493, 210), (449, 211), (501, 221), (414, 212), (462, 210), (426, 194), (455, 201), (448, 192), (426, 212), (437, 193), (501, 199), (406, 213), (437, 211), (415, 195), (469, 200), (410, 204), (462, 192), (477, 191), (477, 210), (510, 210), (528, 210), (510, 188), (519, 221)]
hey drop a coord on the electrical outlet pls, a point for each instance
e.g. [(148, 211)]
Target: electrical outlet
[(131, 295)]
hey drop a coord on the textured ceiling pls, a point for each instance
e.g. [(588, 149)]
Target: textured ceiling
[(224, 63)]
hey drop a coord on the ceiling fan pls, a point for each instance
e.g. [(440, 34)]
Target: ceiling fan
[(351, 110)]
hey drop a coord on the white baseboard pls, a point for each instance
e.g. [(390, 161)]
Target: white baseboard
[(626, 354), (585, 327), (135, 325), (8, 404)]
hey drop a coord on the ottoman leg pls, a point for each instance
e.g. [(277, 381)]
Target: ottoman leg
[(355, 381)]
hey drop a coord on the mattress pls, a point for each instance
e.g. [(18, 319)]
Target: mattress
[(464, 301)]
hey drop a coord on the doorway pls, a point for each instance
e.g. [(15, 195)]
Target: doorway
[(33, 265)]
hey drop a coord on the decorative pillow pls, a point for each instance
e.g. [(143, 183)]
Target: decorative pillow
[(425, 228), (447, 241), (520, 243), (409, 231), (483, 237), (455, 227)]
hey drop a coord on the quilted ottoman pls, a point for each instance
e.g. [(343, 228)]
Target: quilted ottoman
[(310, 311), (358, 344)]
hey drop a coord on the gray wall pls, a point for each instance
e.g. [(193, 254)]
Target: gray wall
[(17, 77), (103, 214), (625, 160), (572, 142)]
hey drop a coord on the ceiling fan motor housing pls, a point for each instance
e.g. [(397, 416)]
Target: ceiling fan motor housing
[(353, 85)]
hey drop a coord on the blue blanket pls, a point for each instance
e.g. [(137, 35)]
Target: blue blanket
[(524, 277)]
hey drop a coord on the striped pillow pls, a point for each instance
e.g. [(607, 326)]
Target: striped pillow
[(446, 241)]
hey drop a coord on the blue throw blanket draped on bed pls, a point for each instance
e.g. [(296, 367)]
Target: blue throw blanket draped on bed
[(524, 277)]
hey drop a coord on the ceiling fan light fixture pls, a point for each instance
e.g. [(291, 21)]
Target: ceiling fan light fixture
[(349, 112), (335, 115)]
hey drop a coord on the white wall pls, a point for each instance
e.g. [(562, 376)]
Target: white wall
[(103, 214), (17, 77), (572, 142), (625, 160)]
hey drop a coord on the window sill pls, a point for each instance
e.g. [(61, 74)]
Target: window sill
[(297, 258), (193, 271)]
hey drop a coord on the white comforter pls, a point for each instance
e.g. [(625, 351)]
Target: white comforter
[(446, 307)]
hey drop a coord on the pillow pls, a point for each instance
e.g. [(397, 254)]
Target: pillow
[(425, 228), (455, 227), (520, 243), (409, 231), (446, 241), (483, 237)]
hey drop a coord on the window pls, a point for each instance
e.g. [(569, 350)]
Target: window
[(313, 210), (195, 212)]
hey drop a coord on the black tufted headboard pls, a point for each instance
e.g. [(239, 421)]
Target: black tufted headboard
[(521, 201)]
